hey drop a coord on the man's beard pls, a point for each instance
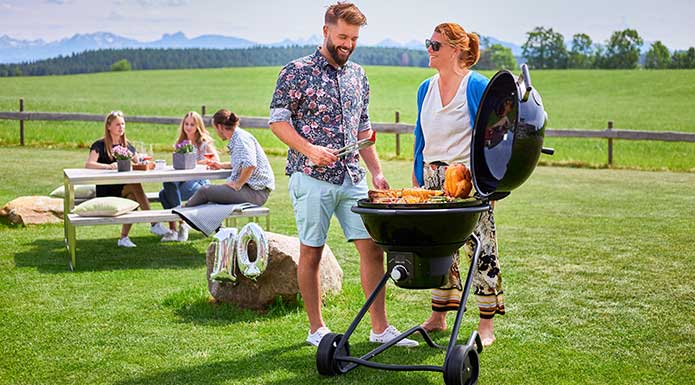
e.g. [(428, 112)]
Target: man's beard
[(333, 51)]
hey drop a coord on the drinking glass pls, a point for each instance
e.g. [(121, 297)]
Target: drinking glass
[(148, 156), (209, 158), (140, 150)]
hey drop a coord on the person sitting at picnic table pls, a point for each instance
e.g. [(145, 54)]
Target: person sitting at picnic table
[(251, 179), (192, 130), (101, 157)]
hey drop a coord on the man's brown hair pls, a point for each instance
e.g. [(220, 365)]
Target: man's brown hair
[(346, 12), (226, 118)]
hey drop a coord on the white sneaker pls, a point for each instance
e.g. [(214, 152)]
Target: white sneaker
[(125, 242), (158, 229), (389, 334), (316, 337), (171, 236), (183, 232)]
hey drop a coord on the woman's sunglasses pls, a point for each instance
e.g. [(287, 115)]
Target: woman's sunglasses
[(434, 44)]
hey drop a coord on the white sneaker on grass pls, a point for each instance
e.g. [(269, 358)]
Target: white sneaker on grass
[(183, 232), (171, 236), (158, 229), (388, 334), (125, 242), (316, 337)]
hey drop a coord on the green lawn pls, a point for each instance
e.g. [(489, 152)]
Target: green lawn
[(598, 269), (583, 99)]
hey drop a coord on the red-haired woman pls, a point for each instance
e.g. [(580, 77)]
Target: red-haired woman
[(447, 106)]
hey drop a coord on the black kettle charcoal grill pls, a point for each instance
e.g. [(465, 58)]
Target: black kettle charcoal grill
[(420, 239)]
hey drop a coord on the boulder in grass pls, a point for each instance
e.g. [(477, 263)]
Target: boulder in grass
[(279, 278), (33, 210)]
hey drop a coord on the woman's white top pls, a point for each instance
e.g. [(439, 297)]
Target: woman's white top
[(447, 129)]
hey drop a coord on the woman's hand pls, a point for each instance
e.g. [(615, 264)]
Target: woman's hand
[(233, 185), (214, 165), (92, 162), (414, 180)]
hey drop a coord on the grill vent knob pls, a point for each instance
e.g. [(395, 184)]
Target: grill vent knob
[(399, 273)]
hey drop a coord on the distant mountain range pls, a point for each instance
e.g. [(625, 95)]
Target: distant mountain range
[(16, 51)]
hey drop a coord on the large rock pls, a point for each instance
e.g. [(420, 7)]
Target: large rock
[(279, 279), (33, 210)]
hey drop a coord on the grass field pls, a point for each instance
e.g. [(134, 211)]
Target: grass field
[(639, 100), (598, 270)]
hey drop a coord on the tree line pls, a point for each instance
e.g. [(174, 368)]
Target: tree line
[(546, 49), (127, 59), (189, 58)]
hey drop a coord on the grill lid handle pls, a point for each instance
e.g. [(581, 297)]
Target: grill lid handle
[(527, 82), (527, 77)]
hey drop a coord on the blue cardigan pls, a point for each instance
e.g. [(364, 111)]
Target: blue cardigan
[(474, 93)]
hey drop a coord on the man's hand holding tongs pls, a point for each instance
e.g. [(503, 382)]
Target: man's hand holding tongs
[(321, 156)]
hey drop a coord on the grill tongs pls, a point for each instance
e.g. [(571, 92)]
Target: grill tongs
[(356, 146)]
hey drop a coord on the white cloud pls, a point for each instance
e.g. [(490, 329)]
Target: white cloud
[(162, 3), (7, 7), (116, 16)]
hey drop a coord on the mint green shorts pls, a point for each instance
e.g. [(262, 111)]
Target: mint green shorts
[(316, 201)]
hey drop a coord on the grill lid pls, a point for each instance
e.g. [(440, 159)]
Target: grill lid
[(508, 135)]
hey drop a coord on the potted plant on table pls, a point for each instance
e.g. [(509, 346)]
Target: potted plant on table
[(124, 157), (184, 157)]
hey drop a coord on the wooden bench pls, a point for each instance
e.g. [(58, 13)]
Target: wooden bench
[(150, 216)]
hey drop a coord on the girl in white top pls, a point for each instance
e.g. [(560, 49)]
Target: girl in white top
[(192, 129)]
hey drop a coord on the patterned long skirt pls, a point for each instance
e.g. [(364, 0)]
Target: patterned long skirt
[(487, 278)]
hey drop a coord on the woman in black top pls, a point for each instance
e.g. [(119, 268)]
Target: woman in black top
[(101, 157)]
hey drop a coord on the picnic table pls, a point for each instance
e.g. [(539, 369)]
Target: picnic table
[(81, 176)]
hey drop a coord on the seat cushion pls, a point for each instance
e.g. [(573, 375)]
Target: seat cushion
[(86, 191), (105, 207)]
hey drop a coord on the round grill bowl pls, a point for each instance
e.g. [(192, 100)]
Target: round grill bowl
[(430, 230)]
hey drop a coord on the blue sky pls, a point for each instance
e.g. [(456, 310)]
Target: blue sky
[(267, 21)]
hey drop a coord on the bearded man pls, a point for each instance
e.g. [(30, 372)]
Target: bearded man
[(319, 106)]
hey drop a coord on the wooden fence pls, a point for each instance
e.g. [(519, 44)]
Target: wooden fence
[(396, 128)]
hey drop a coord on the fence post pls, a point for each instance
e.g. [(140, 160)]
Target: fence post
[(21, 123), (610, 144), (398, 136)]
